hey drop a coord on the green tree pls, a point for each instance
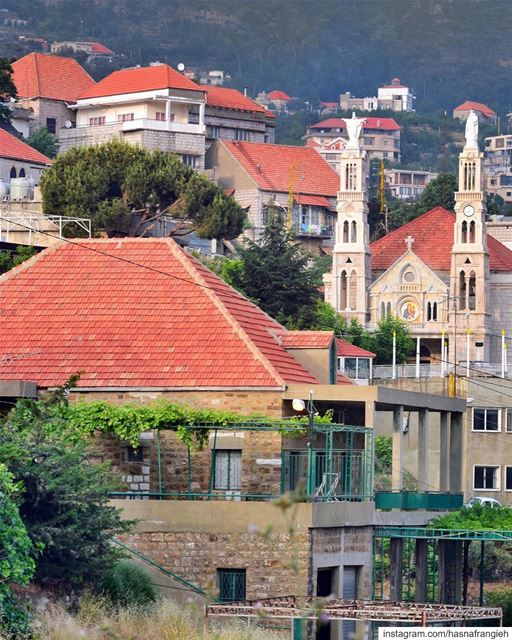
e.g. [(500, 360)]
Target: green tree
[(64, 498), (44, 142), (7, 88), (381, 342), (124, 189), (16, 551), (10, 259), (276, 274), (439, 192)]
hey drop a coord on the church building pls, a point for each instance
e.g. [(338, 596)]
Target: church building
[(441, 273)]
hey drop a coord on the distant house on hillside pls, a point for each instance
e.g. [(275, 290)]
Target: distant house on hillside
[(49, 85), (394, 96), (92, 49), (262, 175), (485, 114), (380, 139), (277, 100)]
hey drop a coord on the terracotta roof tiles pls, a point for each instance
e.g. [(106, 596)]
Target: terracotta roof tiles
[(476, 106), (278, 95), (383, 124), (172, 324), (232, 99), (307, 339), (15, 149), (348, 350), (41, 75)]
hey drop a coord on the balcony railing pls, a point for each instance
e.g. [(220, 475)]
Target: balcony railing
[(34, 223), (162, 125), (315, 230), (414, 500)]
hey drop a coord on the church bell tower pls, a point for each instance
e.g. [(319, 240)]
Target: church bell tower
[(346, 286)]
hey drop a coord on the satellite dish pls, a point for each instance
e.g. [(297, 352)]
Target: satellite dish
[(68, 124), (181, 66)]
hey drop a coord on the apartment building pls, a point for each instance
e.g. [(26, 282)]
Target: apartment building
[(394, 96), (498, 166), (405, 184)]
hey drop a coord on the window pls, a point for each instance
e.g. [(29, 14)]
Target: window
[(231, 584), (160, 115), (227, 469), (124, 117), (12, 173), (486, 419), (241, 134), (486, 478), (21, 174), (213, 132), (509, 421), (508, 478), (189, 160), (96, 121), (51, 125), (132, 454)]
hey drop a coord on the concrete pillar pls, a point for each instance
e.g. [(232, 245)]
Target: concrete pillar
[(398, 449), (395, 569), (423, 450), (201, 114), (444, 452), (450, 571), (456, 440), (421, 570)]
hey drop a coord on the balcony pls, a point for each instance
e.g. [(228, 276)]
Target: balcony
[(163, 125), (314, 230), (413, 500)]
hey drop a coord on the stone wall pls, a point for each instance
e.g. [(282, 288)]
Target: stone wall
[(42, 109)]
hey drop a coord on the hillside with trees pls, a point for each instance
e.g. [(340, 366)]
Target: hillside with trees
[(308, 49)]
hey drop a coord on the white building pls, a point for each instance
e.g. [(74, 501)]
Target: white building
[(405, 184), (498, 166), (396, 96)]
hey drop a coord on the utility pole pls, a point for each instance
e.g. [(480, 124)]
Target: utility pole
[(443, 168)]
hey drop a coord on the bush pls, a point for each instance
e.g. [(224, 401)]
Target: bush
[(126, 585), (501, 597)]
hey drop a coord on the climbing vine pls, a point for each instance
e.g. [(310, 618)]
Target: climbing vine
[(476, 518)]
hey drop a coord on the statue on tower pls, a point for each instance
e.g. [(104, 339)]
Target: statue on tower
[(471, 131), (354, 126)]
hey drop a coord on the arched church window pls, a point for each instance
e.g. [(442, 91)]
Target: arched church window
[(343, 290), (353, 290), (21, 174), (429, 310), (472, 226), (353, 237), (12, 173), (462, 290), (472, 291), (464, 232), (382, 310), (388, 309), (345, 231)]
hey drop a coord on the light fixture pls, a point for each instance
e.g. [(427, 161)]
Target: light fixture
[(298, 404)]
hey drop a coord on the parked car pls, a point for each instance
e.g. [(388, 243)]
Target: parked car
[(483, 500)]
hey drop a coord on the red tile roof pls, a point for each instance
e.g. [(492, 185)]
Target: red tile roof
[(41, 75), (97, 47), (345, 349), (307, 339), (383, 124), (315, 201), (232, 99), (173, 324), (476, 106), (139, 79), (270, 165), (433, 239), (15, 149), (278, 95)]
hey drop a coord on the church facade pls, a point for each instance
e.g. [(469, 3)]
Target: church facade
[(441, 273)]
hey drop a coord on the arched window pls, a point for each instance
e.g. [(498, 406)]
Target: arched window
[(21, 174), (434, 311), (12, 173), (462, 290), (472, 226), (464, 232), (429, 311), (354, 231), (382, 310), (345, 231), (343, 290), (388, 309), (353, 290), (472, 291)]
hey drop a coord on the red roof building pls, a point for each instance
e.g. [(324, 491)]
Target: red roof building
[(41, 75), (279, 96), (225, 98), (484, 113), (13, 148), (378, 124), (138, 80), (141, 314)]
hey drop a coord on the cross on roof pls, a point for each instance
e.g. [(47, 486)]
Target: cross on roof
[(409, 241)]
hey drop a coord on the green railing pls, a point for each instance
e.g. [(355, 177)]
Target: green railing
[(413, 500)]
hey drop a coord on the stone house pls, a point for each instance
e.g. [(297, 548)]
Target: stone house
[(49, 86), (380, 138), (143, 320), (485, 114), (19, 160), (261, 175), (155, 107)]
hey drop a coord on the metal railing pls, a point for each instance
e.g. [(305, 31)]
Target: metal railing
[(435, 370), (414, 500), (34, 223)]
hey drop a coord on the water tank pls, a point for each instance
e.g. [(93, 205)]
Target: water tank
[(22, 189), (4, 189)]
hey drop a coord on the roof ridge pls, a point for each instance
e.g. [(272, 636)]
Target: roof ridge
[(187, 262), (36, 73)]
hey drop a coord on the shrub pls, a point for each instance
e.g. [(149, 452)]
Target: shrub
[(501, 597), (127, 584)]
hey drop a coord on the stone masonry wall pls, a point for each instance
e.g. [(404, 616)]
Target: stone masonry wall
[(267, 559)]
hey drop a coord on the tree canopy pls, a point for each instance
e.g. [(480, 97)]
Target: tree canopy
[(44, 142), (125, 190), (7, 88)]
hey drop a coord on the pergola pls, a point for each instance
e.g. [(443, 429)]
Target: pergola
[(292, 608)]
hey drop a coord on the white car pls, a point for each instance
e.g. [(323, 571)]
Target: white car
[(484, 501)]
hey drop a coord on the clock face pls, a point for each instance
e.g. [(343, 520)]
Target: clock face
[(468, 210)]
